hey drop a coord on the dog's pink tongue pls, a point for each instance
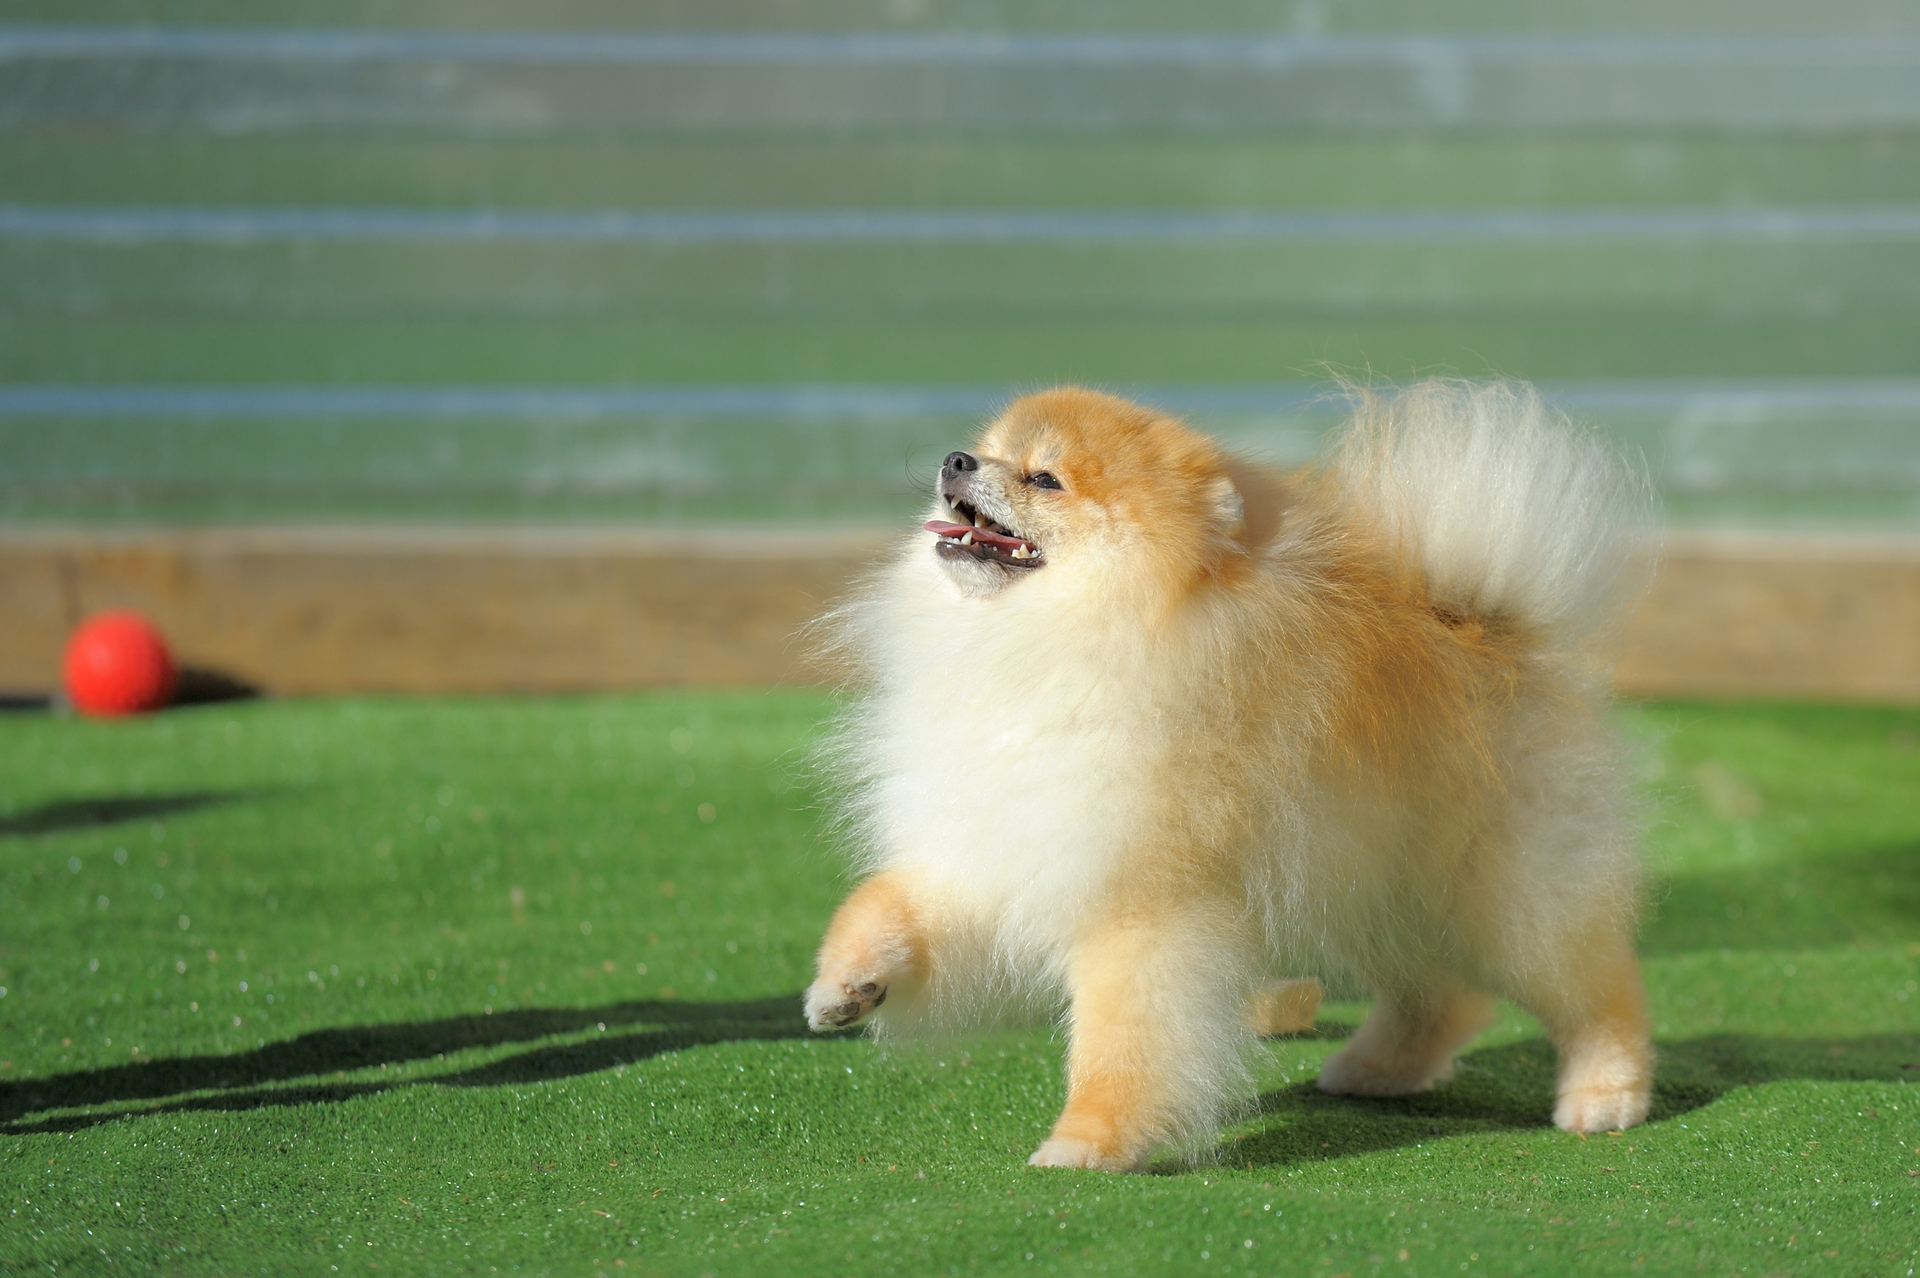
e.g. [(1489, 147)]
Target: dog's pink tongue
[(982, 535)]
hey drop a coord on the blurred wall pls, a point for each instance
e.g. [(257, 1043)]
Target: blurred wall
[(759, 264)]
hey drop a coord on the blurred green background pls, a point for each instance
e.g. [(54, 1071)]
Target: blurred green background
[(760, 260)]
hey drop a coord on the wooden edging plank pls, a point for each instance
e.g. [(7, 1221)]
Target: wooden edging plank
[(308, 610)]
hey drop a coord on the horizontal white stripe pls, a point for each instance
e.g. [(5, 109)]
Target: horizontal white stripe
[(241, 225), (948, 48), (1858, 397)]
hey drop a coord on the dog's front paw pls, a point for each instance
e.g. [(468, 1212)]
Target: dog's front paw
[(1065, 1151), (834, 1004), (1594, 1109)]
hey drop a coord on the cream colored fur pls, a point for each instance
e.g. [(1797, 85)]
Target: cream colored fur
[(1241, 725)]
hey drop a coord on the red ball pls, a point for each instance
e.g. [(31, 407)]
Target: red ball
[(117, 663)]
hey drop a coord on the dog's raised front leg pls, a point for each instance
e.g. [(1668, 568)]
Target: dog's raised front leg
[(875, 942)]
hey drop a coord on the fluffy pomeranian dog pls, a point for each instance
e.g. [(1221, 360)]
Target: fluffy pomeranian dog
[(1143, 726)]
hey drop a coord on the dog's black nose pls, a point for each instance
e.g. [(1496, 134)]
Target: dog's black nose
[(959, 464)]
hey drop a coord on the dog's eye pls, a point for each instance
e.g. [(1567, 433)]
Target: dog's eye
[(1041, 479)]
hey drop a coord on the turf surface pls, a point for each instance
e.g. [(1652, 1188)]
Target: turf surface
[(510, 985)]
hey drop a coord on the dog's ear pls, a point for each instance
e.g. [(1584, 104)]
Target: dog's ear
[(1250, 500)]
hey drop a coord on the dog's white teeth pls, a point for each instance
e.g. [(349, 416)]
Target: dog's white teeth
[(967, 540), (979, 520), (1021, 552)]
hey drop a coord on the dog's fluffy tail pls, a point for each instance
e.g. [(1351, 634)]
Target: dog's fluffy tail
[(1509, 511)]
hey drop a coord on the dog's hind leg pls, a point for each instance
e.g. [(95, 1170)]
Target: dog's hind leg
[(1157, 1026), (1408, 1041), (876, 943), (1595, 1010)]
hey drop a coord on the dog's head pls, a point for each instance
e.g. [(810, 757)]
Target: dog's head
[(1074, 481)]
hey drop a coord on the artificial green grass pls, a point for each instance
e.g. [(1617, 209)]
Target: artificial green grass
[(465, 986)]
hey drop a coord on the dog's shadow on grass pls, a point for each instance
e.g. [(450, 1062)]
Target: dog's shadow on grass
[(85, 813), (614, 1034), (1510, 1088), (1505, 1088)]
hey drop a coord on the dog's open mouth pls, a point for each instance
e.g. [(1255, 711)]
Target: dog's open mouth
[(982, 539)]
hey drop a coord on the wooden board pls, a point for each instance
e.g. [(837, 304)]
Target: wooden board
[(1829, 617), (326, 610), (335, 610)]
